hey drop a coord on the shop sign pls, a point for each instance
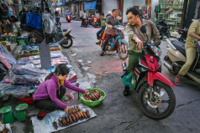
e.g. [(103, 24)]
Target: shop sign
[(54, 0)]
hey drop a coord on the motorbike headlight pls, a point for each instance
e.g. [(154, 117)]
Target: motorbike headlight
[(156, 50)]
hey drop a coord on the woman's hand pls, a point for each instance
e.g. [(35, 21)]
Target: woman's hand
[(86, 92), (67, 110)]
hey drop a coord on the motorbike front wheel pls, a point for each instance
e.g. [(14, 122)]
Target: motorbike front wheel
[(122, 51), (67, 43), (162, 103)]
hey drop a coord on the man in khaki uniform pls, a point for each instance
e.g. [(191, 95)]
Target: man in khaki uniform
[(190, 48), (135, 35)]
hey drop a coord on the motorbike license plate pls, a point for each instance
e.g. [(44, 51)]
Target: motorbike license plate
[(178, 36)]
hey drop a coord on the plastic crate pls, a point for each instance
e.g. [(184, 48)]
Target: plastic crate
[(13, 39), (25, 38), (2, 38)]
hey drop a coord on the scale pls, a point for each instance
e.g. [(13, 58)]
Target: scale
[(7, 114), (21, 111)]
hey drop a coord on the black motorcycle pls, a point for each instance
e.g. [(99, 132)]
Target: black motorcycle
[(85, 23), (182, 35), (67, 43), (96, 22), (163, 29), (68, 18)]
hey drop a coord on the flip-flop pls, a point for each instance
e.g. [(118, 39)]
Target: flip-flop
[(173, 81)]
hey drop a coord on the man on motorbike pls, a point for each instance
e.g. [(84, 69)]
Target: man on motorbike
[(101, 31), (190, 48), (136, 38), (84, 16), (68, 13), (110, 22)]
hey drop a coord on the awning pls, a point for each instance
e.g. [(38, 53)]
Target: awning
[(90, 5)]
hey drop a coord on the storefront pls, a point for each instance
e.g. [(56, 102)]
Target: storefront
[(90, 7), (171, 11)]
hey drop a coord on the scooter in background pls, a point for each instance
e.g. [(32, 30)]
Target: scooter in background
[(162, 28), (68, 18), (176, 58), (118, 44), (95, 23), (182, 35), (86, 23)]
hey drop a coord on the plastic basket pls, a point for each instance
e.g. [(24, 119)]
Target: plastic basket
[(93, 103)]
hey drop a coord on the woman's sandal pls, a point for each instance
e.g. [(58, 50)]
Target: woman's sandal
[(177, 84)]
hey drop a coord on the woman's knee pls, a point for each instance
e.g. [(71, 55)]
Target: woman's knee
[(188, 64)]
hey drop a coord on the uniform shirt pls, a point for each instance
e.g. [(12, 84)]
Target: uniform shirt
[(111, 21), (190, 41), (134, 31)]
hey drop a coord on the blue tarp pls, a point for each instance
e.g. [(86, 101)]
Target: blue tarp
[(90, 5)]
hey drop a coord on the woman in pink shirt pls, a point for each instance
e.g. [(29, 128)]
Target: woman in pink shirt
[(48, 95)]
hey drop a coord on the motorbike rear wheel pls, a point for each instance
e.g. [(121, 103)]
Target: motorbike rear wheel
[(67, 43), (152, 108), (122, 54)]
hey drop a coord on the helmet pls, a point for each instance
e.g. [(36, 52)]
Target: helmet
[(13, 18)]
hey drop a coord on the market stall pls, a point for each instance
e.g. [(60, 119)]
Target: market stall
[(21, 77)]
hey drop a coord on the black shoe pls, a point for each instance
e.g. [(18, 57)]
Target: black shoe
[(126, 91)]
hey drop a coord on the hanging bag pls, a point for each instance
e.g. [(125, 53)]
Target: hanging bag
[(48, 19), (129, 80), (34, 18)]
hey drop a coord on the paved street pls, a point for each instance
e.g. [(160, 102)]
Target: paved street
[(119, 114)]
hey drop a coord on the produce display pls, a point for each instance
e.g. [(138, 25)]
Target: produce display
[(94, 95), (74, 115)]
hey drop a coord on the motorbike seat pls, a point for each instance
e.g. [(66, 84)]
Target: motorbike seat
[(180, 46), (65, 30)]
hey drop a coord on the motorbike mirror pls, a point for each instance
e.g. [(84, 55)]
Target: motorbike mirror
[(143, 29)]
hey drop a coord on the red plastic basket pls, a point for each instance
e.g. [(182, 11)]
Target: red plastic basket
[(26, 100)]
